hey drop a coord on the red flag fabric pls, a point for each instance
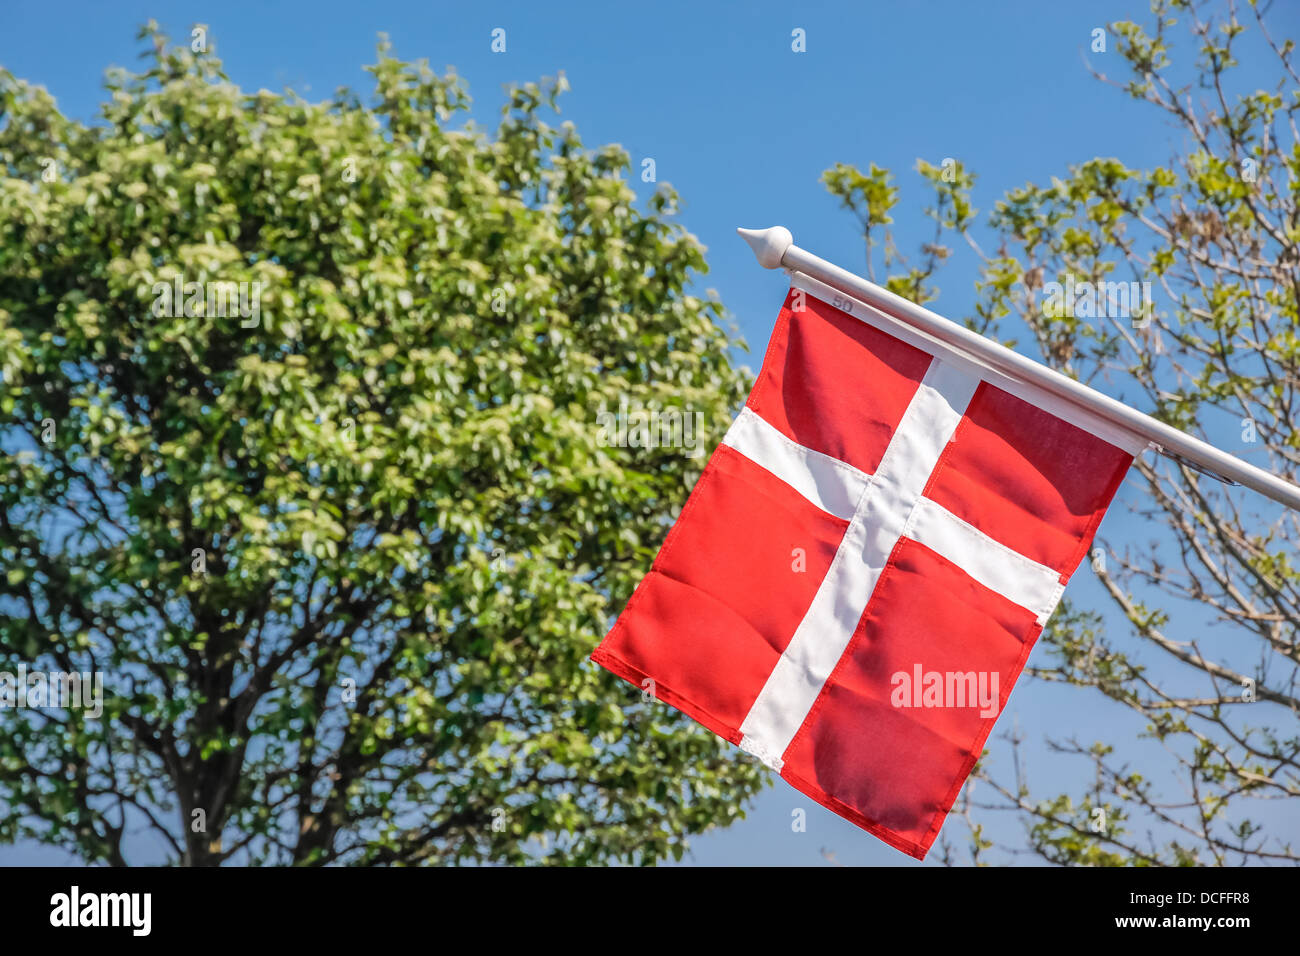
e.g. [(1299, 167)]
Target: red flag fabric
[(862, 569)]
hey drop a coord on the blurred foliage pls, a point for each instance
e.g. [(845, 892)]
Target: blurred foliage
[(342, 562)]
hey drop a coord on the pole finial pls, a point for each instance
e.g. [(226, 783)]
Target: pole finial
[(769, 245)]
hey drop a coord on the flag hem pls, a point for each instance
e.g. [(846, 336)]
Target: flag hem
[(1099, 427), (634, 676)]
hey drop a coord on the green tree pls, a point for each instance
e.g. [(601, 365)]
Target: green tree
[(340, 550), (1210, 661)]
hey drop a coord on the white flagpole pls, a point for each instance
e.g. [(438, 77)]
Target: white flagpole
[(775, 248)]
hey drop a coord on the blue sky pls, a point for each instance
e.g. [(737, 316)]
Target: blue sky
[(742, 127)]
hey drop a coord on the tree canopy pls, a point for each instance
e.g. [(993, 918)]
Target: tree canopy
[(341, 535)]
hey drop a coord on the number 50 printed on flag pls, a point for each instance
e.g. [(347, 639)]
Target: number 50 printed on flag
[(864, 565)]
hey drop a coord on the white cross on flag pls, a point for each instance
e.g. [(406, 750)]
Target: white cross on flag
[(864, 565)]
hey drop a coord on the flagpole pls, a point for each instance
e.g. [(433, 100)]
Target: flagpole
[(774, 248)]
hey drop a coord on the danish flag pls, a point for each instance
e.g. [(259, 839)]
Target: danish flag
[(876, 544)]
